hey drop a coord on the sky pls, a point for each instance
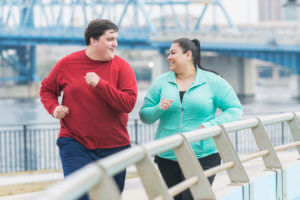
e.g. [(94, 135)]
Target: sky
[(241, 11)]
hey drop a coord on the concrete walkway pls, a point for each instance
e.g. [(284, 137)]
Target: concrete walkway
[(30, 178)]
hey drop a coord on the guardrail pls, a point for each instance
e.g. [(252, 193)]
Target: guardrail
[(28, 147), (96, 177)]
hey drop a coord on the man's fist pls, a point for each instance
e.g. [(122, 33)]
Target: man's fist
[(60, 112), (91, 78)]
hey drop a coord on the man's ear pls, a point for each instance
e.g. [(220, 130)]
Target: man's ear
[(92, 41)]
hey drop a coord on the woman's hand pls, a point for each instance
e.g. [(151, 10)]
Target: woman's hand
[(201, 126), (60, 112), (165, 103)]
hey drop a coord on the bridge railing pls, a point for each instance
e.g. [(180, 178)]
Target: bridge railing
[(96, 178), (27, 147)]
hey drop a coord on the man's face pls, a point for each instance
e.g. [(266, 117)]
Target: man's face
[(106, 45)]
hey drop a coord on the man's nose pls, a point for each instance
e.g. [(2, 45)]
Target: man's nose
[(115, 43)]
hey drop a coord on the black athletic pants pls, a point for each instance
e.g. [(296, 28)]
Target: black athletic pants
[(172, 174)]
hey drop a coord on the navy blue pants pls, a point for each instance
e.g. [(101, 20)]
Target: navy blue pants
[(74, 156), (172, 174)]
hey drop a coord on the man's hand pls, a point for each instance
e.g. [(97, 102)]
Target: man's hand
[(165, 103), (60, 112), (91, 78)]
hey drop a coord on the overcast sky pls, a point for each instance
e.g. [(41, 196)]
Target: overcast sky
[(240, 12)]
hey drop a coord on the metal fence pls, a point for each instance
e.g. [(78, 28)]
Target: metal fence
[(28, 147), (33, 146)]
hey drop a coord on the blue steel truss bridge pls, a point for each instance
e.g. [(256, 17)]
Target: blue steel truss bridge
[(144, 24)]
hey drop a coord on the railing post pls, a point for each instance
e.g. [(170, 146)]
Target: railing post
[(271, 160), (136, 130), (191, 167), (294, 126), (106, 189), (236, 141), (237, 173), (279, 184), (282, 133), (25, 146), (151, 179)]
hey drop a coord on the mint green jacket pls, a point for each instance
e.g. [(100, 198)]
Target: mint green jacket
[(199, 104)]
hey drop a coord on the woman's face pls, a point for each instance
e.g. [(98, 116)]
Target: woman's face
[(177, 59)]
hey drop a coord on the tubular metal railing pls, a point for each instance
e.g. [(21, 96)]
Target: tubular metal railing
[(27, 147), (96, 178)]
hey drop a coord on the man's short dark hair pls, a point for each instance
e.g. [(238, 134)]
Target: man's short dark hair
[(96, 28)]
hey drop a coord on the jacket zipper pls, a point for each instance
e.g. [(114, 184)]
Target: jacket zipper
[(181, 112)]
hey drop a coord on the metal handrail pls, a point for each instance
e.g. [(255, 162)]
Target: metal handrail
[(286, 146), (93, 176)]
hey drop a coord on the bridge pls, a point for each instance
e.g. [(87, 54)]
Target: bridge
[(278, 179), (144, 24)]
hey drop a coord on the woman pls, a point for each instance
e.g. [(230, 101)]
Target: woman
[(185, 99)]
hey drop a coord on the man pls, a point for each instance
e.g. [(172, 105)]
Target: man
[(99, 90)]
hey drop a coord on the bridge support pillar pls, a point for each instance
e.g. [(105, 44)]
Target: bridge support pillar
[(239, 72), (295, 85)]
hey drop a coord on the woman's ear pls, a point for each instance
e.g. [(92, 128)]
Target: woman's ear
[(189, 55)]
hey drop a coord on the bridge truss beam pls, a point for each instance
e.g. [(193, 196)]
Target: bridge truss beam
[(280, 56), (26, 23), (22, 61)]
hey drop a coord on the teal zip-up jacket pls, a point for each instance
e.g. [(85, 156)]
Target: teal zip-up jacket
[(208, 92)]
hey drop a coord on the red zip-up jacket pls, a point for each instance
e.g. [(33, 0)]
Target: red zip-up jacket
[(98, 115)]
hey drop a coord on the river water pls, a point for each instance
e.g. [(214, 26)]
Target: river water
[(269, 99)]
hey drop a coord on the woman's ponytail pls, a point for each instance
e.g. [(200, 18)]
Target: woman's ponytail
[(197, 52), (197, 56)]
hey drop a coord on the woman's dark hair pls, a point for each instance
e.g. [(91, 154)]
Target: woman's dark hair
[(194, 46), (96, 28)]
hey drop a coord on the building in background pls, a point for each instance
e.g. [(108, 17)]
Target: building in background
[(269, 10), (291, 10), (279, 10)]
